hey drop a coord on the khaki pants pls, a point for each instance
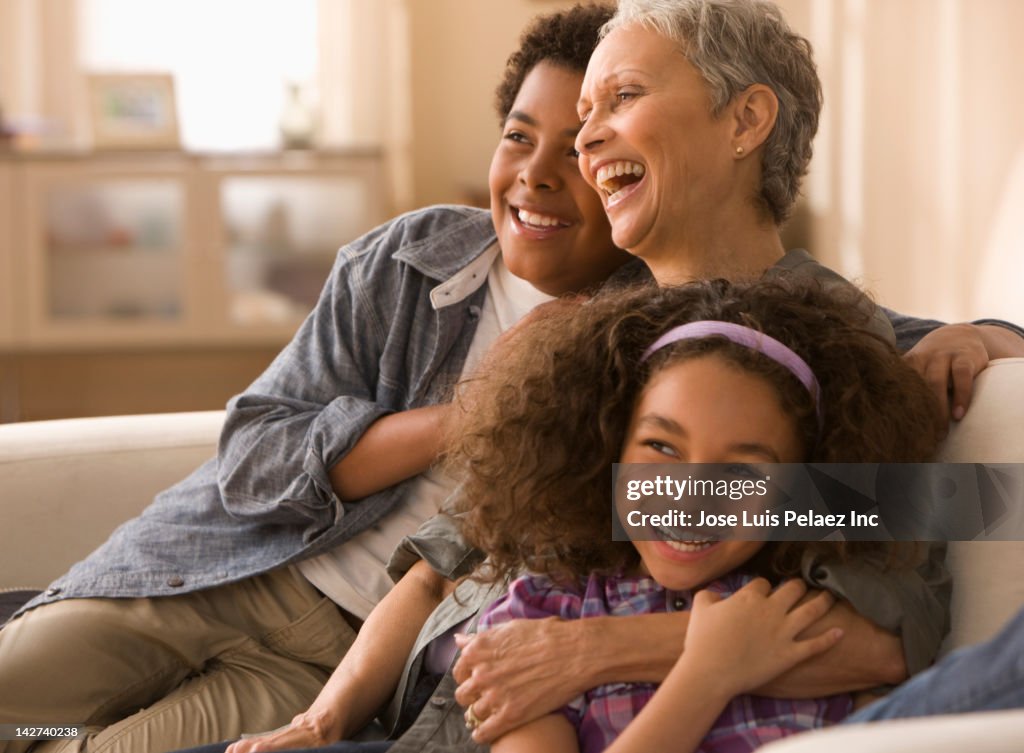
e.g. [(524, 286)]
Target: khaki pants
[(153, 675)]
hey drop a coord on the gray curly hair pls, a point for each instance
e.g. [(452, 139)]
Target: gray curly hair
[(736, 43)]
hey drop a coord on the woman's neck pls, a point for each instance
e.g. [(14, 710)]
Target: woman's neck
[(734, 255)]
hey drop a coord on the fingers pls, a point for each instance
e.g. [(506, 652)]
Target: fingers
[(758, 586), (789, 593), (463, 668), (485, 723), (469, 670), (804, 615), (810, 647), (936, 375), (490, 729), (949, 359), (963, 370), (705, 598)]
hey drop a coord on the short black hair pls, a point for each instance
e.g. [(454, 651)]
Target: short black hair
[(567, 39)]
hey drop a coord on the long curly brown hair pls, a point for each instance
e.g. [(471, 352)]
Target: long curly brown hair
[(533, 443)]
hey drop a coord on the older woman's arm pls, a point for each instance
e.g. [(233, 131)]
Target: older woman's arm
[(518, 672), (893, 621)]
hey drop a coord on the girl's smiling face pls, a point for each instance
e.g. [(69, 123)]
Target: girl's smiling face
[(706, 410), (551, 227)]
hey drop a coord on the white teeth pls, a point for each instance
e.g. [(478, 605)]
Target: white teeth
[(689, 546), (538, 220), (615, 169)]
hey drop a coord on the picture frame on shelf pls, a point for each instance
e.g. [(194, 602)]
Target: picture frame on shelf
[(133, 111)]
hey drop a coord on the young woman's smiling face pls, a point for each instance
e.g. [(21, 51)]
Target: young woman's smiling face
[(706, 410), (551, 226), (649, 144)]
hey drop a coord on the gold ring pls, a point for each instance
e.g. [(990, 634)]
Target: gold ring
[(472, 722)]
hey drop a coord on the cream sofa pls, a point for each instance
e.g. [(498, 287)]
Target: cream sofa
[(64, 485)]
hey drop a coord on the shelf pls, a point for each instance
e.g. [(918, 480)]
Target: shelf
[(159, 252)]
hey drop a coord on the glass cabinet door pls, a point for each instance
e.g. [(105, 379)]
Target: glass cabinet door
[(113, 250), (282, 234)]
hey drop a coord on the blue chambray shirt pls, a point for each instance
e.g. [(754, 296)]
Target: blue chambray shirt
[(390, 332)]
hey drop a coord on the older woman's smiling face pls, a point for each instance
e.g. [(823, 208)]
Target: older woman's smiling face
[(650, 146)]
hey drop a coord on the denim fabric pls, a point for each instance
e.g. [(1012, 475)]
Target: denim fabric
[(390, 332), (985, 677), (910, 329), (439, 542)]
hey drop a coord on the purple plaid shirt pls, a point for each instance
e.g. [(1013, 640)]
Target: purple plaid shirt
[(601, 714)]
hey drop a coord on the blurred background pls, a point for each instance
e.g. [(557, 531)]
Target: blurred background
[(177, 175)]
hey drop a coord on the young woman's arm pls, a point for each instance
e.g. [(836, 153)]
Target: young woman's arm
[(355, 360), (370, 671), (549, 734), (401, 445), (393, 448), (519, 671)]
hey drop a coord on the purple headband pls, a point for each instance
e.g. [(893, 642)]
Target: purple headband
[(748, 338)]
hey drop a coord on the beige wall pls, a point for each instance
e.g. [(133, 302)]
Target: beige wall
[(912, 184), (458, 51)]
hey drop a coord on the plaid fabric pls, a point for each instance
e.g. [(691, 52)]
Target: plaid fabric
[(601, 714)]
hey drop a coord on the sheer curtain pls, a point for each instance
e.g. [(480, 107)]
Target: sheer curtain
[(917, 185)]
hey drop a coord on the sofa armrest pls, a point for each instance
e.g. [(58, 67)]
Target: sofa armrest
[(991, 432), (984, 595), (65, 485)]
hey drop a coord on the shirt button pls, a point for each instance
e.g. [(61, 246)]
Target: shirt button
[(679, 604), (53, 591), (473, 312), (175, 581), (438, 702)]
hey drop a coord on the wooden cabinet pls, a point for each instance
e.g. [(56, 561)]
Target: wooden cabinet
[(128, 258)]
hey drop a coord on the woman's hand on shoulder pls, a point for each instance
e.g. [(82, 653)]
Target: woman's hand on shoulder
[(749, 638), (949, 358)]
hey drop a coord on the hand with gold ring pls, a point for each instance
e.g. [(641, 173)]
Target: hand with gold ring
[(472, 720)]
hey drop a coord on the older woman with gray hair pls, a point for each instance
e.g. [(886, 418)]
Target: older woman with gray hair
[(698, 118)]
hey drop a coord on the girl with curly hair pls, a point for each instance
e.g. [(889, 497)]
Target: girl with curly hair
[(774, 371)]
